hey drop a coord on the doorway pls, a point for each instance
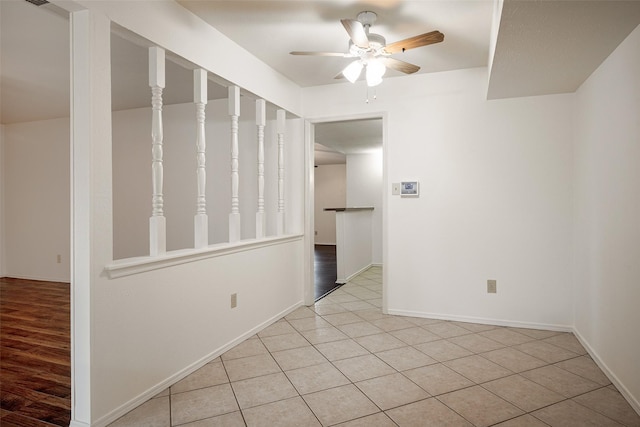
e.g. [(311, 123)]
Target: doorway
[(348, 172)]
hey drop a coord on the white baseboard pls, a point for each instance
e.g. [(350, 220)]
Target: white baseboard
[(376, 264), (633, 401), (153, 391), (78, 424), (484, 320), (362, 270)]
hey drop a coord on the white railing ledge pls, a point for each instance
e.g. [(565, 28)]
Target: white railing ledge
[(130, 266)]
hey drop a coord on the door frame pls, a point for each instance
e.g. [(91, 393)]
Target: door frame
[(309, 220)]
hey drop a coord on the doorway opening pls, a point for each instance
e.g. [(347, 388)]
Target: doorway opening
[(348, 173)]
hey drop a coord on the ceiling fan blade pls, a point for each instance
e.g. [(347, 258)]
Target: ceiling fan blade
[(356, 32), (398, 65), (318, 53), (413, 42)]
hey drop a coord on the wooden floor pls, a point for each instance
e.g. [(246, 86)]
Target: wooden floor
[(35, 361), (325, 270)]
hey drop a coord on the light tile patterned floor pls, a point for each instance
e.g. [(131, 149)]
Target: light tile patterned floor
[(343, 362)]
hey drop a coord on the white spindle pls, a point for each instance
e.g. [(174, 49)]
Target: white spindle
[(260, 123), (281, 126), (201, 221), (234, 216), (157, 222)]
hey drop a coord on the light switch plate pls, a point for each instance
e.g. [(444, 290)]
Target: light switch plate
[(395, 189)]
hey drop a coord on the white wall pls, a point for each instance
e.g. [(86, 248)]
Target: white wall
[(495, 196), (36, 200), (2, 183), (364, 188), (606, 212), (330, 192)]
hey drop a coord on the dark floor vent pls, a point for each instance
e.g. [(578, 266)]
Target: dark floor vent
[(37, 2)]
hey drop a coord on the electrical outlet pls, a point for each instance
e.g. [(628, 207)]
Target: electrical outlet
[(234, 300), (492, 286), (316, 233), (58, 258)]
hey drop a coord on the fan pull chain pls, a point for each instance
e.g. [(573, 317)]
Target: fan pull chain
[(375, 95)]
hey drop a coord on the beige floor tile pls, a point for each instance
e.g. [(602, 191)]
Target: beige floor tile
[(376, 302), (572, 414), (339, 297), (392, 324), (479, 406), (322, 335), (523, 421), (611, 404), (309, 323), (391, 391), (364, 293), (340, 404), (438, 379), (298, 358), (152, 413), (405, 358), (375, 420), (250, 347), (336, 350), (523, 393), (478, 369), (233, 419), (415, 335), (329, 308), (475, 327), (285, 342), (265, 389), (560, 381), (567, 341), (359, 329), (363, 367), (379, 342), (165, 392), (202, 403), (300, 313), (342, 318), (316, 378), (446, 329), (476, 343), (506, 336), (428, 412), (357, 305), (423, 321), (285, 413), (538, 334), (545, 351), (249, 367), (209, 375), (278, 328), (586, 368), (371, 314), (443, 350), (513, 359)]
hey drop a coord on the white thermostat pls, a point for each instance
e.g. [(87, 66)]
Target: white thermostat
[(410, 188)]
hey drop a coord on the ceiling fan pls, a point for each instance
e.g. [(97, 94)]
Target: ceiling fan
[(372, 51)]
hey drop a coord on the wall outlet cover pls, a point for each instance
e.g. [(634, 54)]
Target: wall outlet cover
[(492, 286)]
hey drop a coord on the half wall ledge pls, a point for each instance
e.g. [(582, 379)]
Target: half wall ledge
[(130, 266)]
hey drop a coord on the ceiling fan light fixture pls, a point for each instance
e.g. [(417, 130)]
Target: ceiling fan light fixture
[(375, 71), (352, 71)]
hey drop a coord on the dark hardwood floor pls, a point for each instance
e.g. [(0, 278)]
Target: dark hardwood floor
[(325, 270), (35, 358)]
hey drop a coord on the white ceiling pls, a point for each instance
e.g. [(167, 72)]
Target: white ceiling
[(542, 47)]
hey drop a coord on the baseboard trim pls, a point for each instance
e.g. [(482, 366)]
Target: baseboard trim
[(362, 270), (635, 404), (36, 278), (153, 391), (73, 423), (484, 320)]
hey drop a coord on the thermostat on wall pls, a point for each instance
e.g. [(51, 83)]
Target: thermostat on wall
[(410, 188)]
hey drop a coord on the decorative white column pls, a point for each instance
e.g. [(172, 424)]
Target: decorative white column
[(234, 216), (200, 221), (281, 126), (261, 119), (157, 222)]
